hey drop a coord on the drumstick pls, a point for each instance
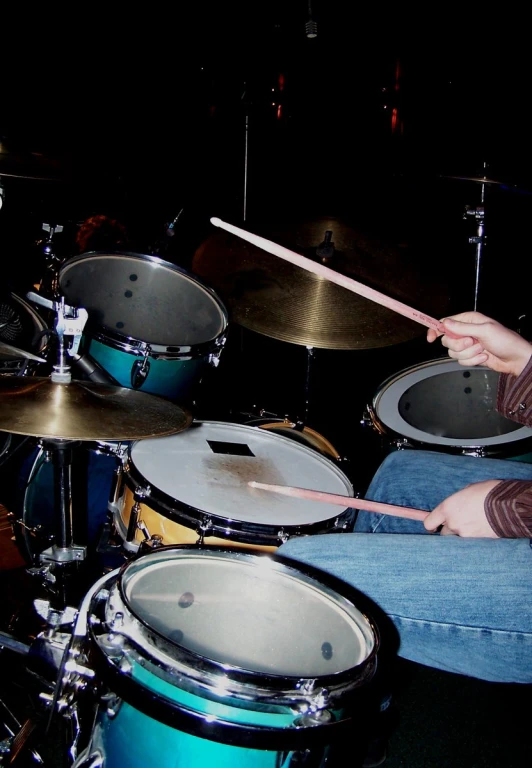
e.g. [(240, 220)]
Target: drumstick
[(335, 277), (345, 501)]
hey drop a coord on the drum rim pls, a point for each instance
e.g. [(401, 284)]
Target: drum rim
[(223, 527), (155, 260), (306, 702), (343, 594), (391, 390), (131, 345)]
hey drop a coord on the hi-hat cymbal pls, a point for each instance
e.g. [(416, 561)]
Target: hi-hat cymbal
[(7, 352), (83, 410), (22, 164), (278, 299)]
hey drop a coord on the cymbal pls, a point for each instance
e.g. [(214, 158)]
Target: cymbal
[(273, 297), (7, 352), (83, 410), (20, 164), (478, 180)]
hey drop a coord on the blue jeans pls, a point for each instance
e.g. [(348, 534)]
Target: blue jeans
[(456, 604)]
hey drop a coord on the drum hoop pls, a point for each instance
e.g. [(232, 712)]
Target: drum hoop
[(326, 448), (246, 681), (391, 390), (140, 348), (208, 524), (218, 525), (247, 735)]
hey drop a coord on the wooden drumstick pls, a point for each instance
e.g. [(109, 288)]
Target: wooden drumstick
[(345, 501), (335, 277)]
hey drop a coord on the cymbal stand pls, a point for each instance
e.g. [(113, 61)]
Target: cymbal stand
[(310, 359), (64, 554), (478, 240), (51, 261)]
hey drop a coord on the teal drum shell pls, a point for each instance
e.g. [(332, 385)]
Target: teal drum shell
[(214, 657), (151, 325)]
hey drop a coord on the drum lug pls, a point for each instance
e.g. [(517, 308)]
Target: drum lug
[(282, 536), (112, 704), (133, 522), (140, 370), (203, 529), (320, 698), (151, 543), (480, 453), (369, 419), (402, 444)]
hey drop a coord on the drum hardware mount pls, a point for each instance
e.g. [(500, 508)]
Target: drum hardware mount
[(63, 552)]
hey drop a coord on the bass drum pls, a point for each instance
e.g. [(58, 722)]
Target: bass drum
[(441, 405), (32, 505), (22, 327)]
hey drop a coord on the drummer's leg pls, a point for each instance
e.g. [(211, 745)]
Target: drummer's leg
[(422, 479), (457, 604)]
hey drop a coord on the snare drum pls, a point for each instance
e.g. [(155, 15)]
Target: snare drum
[(152, 326), (209, 657), (443, 406), (192, 487)]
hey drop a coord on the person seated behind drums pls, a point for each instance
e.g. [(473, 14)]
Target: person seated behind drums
[(102, 233), (459, 600)]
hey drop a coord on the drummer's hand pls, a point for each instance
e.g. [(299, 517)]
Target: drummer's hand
[(463, 513), (484, 341)]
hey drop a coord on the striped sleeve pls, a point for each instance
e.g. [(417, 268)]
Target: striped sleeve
[(514, 395), (508, 509), (508, 505)]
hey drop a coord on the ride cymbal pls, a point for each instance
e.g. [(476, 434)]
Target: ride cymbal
[(21, 164), (7, 352), (278, 299), (83, 410)]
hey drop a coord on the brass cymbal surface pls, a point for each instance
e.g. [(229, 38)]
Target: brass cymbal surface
[(271, 296), (84, 410)]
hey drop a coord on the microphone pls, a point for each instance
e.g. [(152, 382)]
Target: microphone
[(170, 228), (88, 366), (161, 244)]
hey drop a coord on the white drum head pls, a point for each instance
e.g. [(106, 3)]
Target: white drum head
[(209, 465), (247, 612), (443, 403)]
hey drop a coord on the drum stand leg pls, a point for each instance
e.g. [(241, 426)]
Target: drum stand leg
[(63, 557)]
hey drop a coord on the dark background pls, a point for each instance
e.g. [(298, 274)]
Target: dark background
[(142, 112), (230, 111)]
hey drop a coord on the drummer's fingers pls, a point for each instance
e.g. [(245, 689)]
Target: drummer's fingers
[(432, 335), (434, 519)]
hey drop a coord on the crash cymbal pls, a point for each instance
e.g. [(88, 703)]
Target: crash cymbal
[(278, 299), (7, 352), (24, 164), (83, 410)]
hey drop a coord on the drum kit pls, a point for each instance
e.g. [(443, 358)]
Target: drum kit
[(169, 625), (162, 605)]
